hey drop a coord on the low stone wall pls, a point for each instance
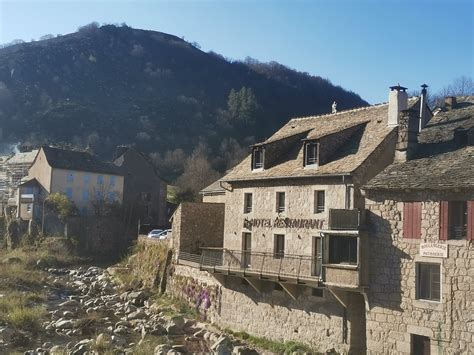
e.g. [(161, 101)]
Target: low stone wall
[(320, 322)]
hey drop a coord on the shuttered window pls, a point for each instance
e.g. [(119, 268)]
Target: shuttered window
[(412, 220), (456, 220)]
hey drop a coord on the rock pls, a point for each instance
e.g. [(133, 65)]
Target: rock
[(47, 345), (57, 350), (6, 334), (222, 346), (158, 330), (179, 348), (68, 314), (162, 349), (103, 340), (243, 350), (200, 333), (41, 264), (118, 341), (136, 315), (64, 324), (137, 298)]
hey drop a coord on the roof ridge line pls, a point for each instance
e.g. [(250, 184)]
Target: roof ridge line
[(357, 109)]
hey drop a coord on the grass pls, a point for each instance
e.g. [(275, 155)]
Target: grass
[(22, 283), (148, 345), (22, 310), (287, 347)]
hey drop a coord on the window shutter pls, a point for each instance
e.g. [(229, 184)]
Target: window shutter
[(470, 220), (412, 220), (443, 220)]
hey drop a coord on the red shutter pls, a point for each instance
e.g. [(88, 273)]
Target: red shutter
[(412, 220), (443, 220), (407, 207), (470, 220)]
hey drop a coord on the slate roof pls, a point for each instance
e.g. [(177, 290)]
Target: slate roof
[(439, 162), (78, 161), (25, 158), (213, 188), (373, 131)]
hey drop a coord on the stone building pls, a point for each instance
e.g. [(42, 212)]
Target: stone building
[(294, 261), (144, 191), (214, 193), (421, 214)]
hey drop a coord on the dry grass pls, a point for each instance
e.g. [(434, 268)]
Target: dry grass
[(145, 262), (22, 310)]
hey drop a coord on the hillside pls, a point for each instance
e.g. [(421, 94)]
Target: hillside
[(118, 85)]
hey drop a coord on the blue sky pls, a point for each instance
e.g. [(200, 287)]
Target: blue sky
[(364, 45)]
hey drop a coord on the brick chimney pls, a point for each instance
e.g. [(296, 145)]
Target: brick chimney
[(449, 102), (397, 102), (407, 135)]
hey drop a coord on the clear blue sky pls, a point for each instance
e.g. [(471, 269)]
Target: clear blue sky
[(362, 45)]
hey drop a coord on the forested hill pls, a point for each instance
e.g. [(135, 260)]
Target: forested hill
[(111, 85)]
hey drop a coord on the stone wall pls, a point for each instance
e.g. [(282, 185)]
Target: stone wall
[(197, 225), (394, 312), (320, 322)]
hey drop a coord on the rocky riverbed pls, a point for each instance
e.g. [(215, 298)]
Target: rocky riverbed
[(89, 314)]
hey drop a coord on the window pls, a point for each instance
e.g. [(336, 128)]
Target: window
[(412, 220), (247, 203), (100, 179), (29, 208), (280, 202), (319, 201), (279, 250), (85, 195), (456, 220), (68, 192), (70, 177), (28, 190), (112, 180), (311, 153), (257, 158), (112, 196), (428, 282), (420, 344), (86, 179), (342, 250), (246, 250)]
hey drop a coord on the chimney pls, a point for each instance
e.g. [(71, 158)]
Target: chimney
[(449, 102), (424, 112), (397, 102), (407, 135)]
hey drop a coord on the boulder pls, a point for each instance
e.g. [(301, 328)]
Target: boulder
[(57, 350), (222, 346), (6, 334), (103, 340), (162, 349), (64, 324)]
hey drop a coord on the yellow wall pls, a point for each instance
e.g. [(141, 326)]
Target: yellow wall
[(79, 185)]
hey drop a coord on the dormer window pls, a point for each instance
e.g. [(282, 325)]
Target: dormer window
[(257, 158), (311, 153)]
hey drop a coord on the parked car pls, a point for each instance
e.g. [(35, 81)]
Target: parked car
[(164, 234), (155, 233)]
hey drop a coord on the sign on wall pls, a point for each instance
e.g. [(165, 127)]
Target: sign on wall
[(434, 250), (283, 223)]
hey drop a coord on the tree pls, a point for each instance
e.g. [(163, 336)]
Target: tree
[(462, 86), (198, 173), (60, 204), (242, 105)]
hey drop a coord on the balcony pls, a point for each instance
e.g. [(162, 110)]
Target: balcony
[(295, 269)]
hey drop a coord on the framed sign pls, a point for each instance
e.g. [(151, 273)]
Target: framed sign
[(434, 250)]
